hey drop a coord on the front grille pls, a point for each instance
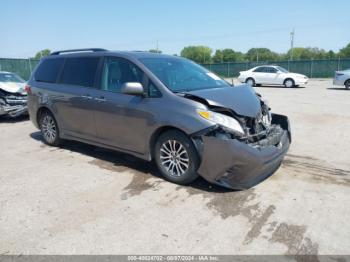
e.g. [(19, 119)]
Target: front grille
[(272, 137), (16, 100)]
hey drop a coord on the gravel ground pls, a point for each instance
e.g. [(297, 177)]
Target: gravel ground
[(80, 199)]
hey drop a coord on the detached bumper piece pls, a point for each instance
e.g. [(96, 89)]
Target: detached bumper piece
[(12, 105), (237, 165)]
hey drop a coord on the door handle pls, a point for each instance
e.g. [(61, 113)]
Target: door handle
[(100, 99), (86, 96)]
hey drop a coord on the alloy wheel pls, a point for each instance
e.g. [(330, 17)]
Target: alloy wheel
[(48, 127), (174, 158)]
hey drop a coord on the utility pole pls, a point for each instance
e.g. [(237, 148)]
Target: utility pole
[(157, 47), (291, 44)]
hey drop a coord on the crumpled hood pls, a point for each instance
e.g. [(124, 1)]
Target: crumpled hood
[(13, 87), (241, 99)]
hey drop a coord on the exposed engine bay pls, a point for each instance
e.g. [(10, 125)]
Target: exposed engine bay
[(259, 131)]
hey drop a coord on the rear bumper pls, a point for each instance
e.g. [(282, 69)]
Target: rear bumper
[(236, 165)]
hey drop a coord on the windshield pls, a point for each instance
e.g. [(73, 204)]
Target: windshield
[(9, 77), (181, 75), (282, 69)]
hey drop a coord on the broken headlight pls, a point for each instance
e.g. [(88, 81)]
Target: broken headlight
[(225, 121)]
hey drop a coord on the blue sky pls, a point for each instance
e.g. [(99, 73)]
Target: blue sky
[(29, 26)]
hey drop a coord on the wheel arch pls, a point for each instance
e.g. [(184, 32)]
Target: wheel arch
[(157, 133), (39, 112), (288, 78), (249, 77)]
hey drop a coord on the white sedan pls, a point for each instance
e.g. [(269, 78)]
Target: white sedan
[(271, 75), (342, 78)]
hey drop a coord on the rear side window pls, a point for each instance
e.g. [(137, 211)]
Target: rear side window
[(80, 71), (260, 70), (48, 70), (271, 70)]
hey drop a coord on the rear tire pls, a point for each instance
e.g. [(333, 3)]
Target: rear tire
[(347, 84), (49, 129), (250, 81), (176, 157), (289, 83)]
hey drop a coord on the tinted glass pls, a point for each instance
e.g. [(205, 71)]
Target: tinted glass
[(271, 70), (80, 71), (9, 77), (181, 75), (260, 70), (153, 90), (48, 70), (117, 71), (282, 69)]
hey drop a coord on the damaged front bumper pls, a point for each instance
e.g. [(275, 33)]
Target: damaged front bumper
[(13, 105), (237, 165)]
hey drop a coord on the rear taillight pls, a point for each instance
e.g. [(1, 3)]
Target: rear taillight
[(28, 89)]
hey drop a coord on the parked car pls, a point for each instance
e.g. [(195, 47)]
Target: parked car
[(271, 75), (342, 78), (162, 108), (13, 98)]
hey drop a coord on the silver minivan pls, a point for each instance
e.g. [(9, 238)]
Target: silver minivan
[(162, 108)]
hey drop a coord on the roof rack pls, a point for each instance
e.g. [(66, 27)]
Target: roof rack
[(79, 50)]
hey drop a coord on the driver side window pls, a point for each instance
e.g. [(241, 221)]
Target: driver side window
[(117, 71)]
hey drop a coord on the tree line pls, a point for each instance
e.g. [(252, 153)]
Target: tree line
[(204, 54)]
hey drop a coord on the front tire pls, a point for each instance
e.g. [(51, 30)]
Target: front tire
[(289, 83), (176, 157), (347, 84), (49, 129), (250, 81)]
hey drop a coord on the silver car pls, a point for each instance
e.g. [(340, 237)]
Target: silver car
[(162, 108), (342, 78), (13, 98)]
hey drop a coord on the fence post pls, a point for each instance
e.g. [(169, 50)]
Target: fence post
[(338, 66), (311, 65), (228, 69), (30, 66), (210, 67), (288, 65)]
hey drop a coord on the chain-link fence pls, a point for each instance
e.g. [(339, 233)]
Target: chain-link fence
[(310, 68), (22, 67)]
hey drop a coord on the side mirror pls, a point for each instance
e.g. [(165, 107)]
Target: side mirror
[(132, 88)]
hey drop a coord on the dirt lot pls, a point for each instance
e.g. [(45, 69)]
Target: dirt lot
[(79, 199)]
